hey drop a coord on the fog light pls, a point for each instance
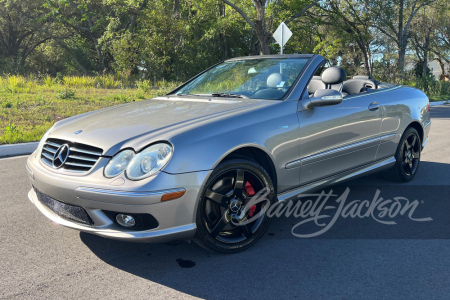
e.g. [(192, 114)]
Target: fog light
[(125, 220)]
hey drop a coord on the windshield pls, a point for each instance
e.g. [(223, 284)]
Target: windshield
[(268, 78)]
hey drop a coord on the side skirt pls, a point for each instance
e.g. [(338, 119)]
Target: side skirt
[(344, 176)]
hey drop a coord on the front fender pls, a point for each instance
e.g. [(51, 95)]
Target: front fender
[(273, 129)]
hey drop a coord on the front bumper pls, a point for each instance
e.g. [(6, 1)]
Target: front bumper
[(95, 194)]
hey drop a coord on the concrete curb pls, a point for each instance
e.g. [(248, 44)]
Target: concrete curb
[(17, 149), (439, 103)]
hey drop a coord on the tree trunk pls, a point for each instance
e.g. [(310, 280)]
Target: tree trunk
[(401, 42), (426, 50), (263, 36), (222, 36), (367, 64), (401, 59), (425, 63), (176, 7)]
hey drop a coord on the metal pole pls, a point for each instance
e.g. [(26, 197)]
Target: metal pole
[(282, 31)]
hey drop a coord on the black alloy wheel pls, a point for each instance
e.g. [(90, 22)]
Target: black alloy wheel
[(411, 154), (407, 157), (225, 223)]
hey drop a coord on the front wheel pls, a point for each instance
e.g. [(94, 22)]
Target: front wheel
[(407, 157), (225, 222)]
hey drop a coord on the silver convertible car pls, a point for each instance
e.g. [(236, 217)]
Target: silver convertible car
[(186, 165)]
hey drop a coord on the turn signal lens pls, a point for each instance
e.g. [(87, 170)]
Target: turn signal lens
[(173, 195)]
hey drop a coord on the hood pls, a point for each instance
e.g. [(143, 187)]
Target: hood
[(140, 123)]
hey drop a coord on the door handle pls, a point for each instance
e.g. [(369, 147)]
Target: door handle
[(374, 106)]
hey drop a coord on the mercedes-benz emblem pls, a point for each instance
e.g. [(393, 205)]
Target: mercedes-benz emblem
[(235, 206), (61, 156)]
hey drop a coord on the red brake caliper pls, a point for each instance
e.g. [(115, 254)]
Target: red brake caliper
[(250, 192)]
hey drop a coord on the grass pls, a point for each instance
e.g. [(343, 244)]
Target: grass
[(30, 106)]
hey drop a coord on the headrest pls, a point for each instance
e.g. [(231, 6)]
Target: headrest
[(276, 80), (356, 86), (315, 85), (333, 75), (274, 69)]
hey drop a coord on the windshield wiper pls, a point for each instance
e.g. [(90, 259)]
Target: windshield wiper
[(228, 95)]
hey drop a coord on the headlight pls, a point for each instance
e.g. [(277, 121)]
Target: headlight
[(43, 139), (119, 163), (149, 161)]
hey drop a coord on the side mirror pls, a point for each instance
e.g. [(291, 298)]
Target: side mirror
[(324, 97)]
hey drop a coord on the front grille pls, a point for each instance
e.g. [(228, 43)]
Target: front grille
[(81, 157), (66, 211)]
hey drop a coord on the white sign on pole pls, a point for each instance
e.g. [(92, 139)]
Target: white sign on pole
[(282, 35)]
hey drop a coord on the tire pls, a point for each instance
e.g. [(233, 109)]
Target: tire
[(231, 185), (407, 157)]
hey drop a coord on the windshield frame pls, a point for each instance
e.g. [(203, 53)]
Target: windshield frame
[(288, 56)]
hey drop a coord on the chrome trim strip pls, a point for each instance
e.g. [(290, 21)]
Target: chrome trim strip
[(49, 150), (47, 156), (337, 178), (52, 144), (48, 164), (128, 194), (424, 143), (78, 165), (388, 137), (294, 164), (299, 162), (428, 124), (83, 158), (85, 151), (311, 157)]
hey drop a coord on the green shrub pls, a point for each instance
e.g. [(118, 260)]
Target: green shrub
[(11, 133), (432, 87), (144, 85), (66, 94)]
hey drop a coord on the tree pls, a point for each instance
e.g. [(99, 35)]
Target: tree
[(21, 29), (423, 35), (89, 19), (393, 18), (263, 22), (353, 21), (441, 42)]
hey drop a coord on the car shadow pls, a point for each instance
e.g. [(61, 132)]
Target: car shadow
[(276, 265)]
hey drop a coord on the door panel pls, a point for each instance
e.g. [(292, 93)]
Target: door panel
[(337, 138)]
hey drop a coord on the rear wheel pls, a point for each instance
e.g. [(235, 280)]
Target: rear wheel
[(407, 157), (225, 223)]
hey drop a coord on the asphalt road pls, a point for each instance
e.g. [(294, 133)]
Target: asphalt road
[(356, 258)]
